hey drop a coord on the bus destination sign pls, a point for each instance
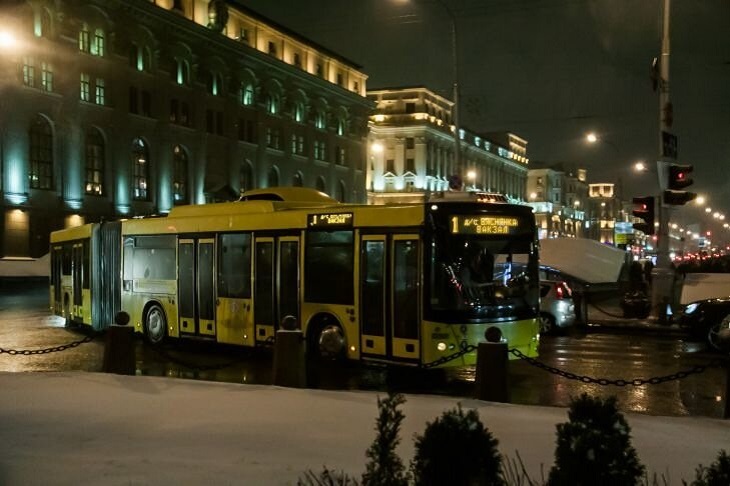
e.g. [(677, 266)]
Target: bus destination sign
[(484, 225), (330, 220)]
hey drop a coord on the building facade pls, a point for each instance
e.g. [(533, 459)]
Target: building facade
[(411, 151), (117, 108), (560, 200)]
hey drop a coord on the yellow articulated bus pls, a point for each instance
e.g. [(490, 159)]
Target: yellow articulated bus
[(406, 284)]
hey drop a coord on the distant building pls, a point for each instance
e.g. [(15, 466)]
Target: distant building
[(117, 108), (607, 210), (411, 150), (559, 197)]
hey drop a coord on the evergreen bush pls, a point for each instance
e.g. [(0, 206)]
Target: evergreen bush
[(456, 449), (716, 474), (594, 446), (384, 467), (326, 478)]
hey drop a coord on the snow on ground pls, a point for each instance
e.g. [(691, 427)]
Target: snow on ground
[(81, 428)]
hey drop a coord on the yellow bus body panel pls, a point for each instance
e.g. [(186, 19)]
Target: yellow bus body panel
[(523, 335), (235, 321)]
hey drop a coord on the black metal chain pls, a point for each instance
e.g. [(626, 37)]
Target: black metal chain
[(445, 359), (54, 349), (193, 366), (604, 381)]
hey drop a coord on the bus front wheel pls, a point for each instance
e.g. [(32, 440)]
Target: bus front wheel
[(155, 324)]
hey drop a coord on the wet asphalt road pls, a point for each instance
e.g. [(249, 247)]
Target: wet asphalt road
[(26, 323)]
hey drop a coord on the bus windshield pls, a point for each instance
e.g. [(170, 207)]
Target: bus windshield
[(478, 277)]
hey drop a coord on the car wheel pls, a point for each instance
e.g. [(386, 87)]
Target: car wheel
[(327, 341), (719, 335), (155, 324), (547, 323)]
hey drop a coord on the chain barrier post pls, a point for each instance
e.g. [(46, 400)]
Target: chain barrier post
[(491, 379), (289, 355), (119, 347)]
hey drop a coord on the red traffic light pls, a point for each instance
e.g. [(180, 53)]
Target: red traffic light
[(679, 176), (644, 210)]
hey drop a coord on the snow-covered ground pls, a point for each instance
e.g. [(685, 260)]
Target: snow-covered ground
[(91, 428)]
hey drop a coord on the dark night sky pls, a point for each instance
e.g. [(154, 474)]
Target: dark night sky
[(551, 71)]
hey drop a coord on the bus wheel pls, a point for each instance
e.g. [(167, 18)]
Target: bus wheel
[(155, 324), (328, 342)]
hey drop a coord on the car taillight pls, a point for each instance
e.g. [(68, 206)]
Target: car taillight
[(563, 291), (559, 291)]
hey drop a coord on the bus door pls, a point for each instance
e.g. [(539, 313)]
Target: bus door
[(196, 290), (77, 312), (264, 316), (390, 297), (287, 275), (276, 284)]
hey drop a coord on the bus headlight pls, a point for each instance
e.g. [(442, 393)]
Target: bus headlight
[(441, 346)]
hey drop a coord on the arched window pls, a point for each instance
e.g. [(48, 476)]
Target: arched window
[(140, 57), (342, 192), (321, 185), (247, 94), (320, 118), (182, 71), (246, 177), (180, 175), (272, 179), (272, 103), (215, 83), (41, 154), (297, 180), (95, 157), (141, 163), (298, 111)]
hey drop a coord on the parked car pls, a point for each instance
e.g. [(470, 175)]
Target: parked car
[(708, 319), (557, 310)]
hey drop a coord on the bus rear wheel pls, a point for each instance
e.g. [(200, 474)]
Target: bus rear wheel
[(155, 324), (327, 342)]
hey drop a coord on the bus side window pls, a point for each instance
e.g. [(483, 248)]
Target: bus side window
[(234, 266), (329, 267)]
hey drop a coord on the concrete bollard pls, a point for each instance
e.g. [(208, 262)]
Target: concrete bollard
[(491, 379), (119, 347), (289, 355)]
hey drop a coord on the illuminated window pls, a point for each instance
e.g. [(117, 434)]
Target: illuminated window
[(100, 92), (140, 161), (272, 103), (182, 72), (298, 111), (29, 72), (94, 162), (180, 175), (215, 84), (247, 94), (341, 156), (84, 87), (46, 77), (320, 150), (98, 46), (84, 39), (140, 57), (41, 154), (320, 119)]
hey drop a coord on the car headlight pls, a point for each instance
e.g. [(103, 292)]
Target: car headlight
[(691, 308)]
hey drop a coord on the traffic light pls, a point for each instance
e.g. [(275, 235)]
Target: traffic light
[(679, 178), (644, 209), (678, 198)]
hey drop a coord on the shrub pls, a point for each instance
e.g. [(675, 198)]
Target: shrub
[(456, 449), (716, 474), (384, 467), (594, 446), (326, 478)]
